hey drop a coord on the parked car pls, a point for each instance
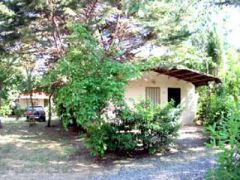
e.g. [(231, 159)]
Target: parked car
[(36, 112)]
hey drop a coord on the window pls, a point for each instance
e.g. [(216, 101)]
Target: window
[(153, 93), (175, 95), (45, 102)]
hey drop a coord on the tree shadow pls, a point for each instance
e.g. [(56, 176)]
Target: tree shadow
[(34, 149)]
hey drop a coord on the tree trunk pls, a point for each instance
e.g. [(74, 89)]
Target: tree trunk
[(31, 118), (0, 105), (49, 110), (31, 99), (1, 95)]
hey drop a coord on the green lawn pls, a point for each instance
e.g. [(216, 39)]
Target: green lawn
[(38, 148)]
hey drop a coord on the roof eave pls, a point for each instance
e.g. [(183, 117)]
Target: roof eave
[(195, 77)]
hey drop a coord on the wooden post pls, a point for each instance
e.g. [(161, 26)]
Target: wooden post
[(49, 110), (0, 105), (1, 124)]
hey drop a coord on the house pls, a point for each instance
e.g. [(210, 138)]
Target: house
[(161, 85), (39, 99)]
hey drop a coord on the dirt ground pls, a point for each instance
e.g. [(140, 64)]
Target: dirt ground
[(39, 152), (38, 148)]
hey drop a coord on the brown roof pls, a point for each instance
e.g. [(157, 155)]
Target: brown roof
[(195, 77)]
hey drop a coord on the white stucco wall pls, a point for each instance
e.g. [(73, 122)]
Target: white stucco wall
[(24, 103), (38, 99), (136, 91)]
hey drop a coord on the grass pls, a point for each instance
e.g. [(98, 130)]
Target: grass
[(38, 148)]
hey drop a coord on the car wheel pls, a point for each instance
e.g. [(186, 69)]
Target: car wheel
[(44, 119)]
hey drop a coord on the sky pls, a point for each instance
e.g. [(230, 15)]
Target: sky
[(232, 25)]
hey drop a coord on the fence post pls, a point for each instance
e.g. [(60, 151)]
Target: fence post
[(1, 124)]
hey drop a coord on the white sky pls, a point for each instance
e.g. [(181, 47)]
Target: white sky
[(232, 25)]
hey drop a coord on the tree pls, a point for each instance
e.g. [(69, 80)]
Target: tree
[(91, 79), (215, 51), (225, 121), (29, 83), (10, 76), (232, 75), (50, 83), (122, 26)]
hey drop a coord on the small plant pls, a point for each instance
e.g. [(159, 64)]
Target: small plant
[(99, 134), (18, 112)]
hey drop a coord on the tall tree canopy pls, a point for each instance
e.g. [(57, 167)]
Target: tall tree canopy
[(40, 27)]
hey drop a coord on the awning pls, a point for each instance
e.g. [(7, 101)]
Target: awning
[(35, 95), (195, 77)]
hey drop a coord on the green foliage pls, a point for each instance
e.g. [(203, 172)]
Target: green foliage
[(178, 26), (216, 101), (10, 77), (99, 135), (215, 51), (232, 75), (146, 127), (15, 20), (214, 106), (169, 21), (19, 112), (90, 79), (223, 122), (229, 142), (5, 108), (121, 27)]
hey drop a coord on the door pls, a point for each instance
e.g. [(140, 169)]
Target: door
[(175, 95)]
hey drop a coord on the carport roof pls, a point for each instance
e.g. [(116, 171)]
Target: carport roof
[(195, 77)]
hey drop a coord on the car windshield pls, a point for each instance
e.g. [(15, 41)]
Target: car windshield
[(35, 108)]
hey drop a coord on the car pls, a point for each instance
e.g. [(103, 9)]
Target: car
[(35, 112)]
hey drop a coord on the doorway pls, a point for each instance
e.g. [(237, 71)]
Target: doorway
[(175, 95)]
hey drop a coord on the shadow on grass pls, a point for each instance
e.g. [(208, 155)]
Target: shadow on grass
[(30, 149), (38, 148)]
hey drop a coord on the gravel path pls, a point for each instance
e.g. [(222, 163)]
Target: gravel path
[(189, 160)]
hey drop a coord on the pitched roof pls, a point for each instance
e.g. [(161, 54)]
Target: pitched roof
[(195, 77)]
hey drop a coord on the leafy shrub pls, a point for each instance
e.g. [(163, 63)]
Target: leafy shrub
[(18, 112), (99, 134), (228, 138), (215, 112), (5, 108), (152, 125), (214, 107), (224, 128), (147, 127)]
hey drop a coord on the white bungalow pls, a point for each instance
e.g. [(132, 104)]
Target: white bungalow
[(39, 99), (162, 85)]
